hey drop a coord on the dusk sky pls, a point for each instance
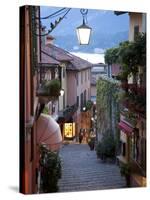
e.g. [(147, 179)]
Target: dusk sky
[(108, 30), (100, 20)]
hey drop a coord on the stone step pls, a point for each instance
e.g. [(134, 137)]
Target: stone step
[(81, 170)]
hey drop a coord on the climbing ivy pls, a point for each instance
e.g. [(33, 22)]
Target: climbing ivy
[(107, 105)]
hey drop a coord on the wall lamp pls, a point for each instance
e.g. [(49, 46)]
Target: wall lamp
[(62, 92)]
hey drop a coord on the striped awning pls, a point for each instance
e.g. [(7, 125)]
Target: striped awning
[(48, 132), (125, 127)]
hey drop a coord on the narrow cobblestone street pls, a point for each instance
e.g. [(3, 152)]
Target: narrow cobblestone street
[(82, 171)]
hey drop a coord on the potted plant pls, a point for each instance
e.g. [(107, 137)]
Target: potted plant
[(49, 90), (50, 165), (89, 104), (125, 171), (106, 148)]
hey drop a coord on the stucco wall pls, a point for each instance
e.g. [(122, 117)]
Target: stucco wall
[(84, 83), (71, 88), (63, 104), (93, 90), (135, 20)]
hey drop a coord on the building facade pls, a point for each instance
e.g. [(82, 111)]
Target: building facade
[(79, 91), (133, 117), (28, 101), (96, 71), (36, 68)]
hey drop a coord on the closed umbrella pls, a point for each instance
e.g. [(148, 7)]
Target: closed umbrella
[(48, 132)]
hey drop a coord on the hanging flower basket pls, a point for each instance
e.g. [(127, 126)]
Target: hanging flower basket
[(49, 90)]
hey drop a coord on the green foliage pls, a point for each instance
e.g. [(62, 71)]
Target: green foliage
[(106, 103), (51, 170), (45, 110), (89, 104), (111, 55), (53, 87), (129, 54), (125, 169), (50, 88), (106, 148)]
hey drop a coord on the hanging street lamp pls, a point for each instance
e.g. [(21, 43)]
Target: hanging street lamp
[(84, 31)]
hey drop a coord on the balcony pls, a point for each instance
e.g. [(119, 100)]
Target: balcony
[(129, 118), (134, 98), (134, 88)]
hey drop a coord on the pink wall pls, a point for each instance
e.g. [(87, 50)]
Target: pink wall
[(71, 88)]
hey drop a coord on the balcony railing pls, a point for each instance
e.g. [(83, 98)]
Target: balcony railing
[(134, 98), (134, 88)]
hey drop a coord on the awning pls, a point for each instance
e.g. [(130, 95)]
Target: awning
[(125, 127), (48, 132)]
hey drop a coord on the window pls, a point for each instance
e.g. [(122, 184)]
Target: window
[(89, 95), (52, 74), (64, 101), (84, 97), (81, 100), (123, 148), (136, 31), (135, 145), (77, 100), (89, 74), (81, 77), (64, 72), (77, 78), (143, 154)]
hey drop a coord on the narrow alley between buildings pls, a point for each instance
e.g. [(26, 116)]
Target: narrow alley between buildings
[(83, 171)]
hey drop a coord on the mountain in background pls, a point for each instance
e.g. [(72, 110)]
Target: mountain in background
[(99, 42), (108, 30)]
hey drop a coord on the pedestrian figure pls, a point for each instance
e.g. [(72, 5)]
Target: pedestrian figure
[(92, 140), (80, 136)]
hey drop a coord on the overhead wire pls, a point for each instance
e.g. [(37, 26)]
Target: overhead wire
[(53, 14)]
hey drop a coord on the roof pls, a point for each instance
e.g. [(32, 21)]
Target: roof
[(58, 55), (78, 63), (46, 59), (56, 52)]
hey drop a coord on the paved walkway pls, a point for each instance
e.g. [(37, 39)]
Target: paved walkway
[(82, 171)]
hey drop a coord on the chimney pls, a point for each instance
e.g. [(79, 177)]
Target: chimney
[(49, 40)]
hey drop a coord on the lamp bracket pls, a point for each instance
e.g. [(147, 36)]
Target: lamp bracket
[(84, 13)]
